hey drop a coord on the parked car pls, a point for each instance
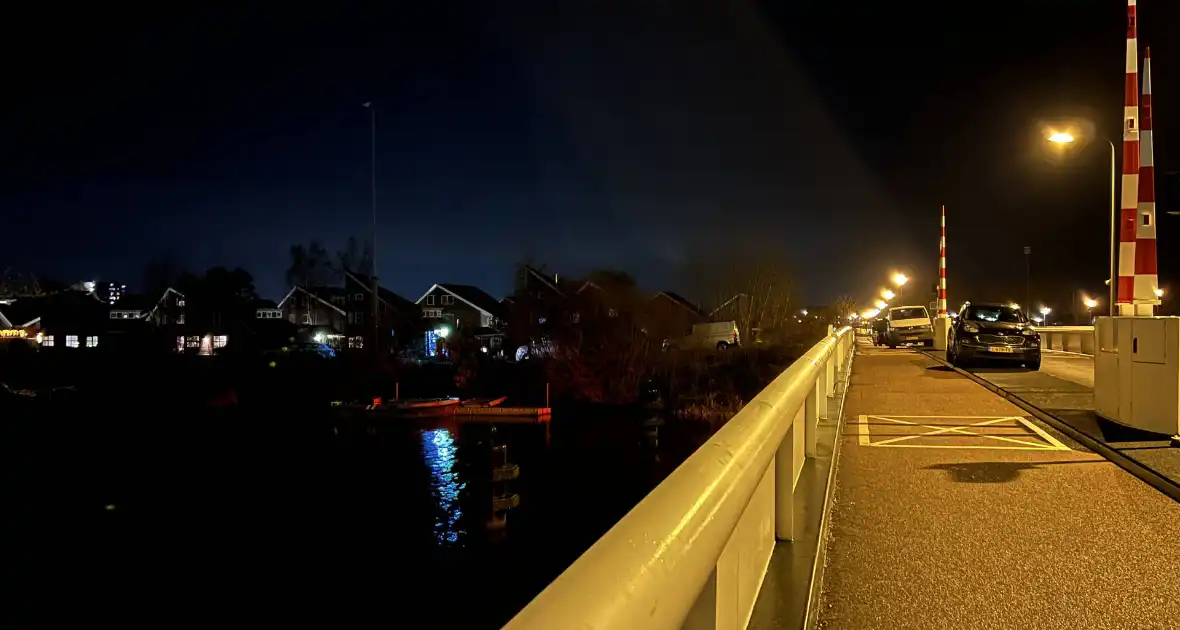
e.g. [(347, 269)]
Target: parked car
[(993, 331), (708, 336), (909, 324)]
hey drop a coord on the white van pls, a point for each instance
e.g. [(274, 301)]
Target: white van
[(718, 336), (909, 324)]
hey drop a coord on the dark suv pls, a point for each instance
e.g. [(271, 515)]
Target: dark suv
[(993, 331)]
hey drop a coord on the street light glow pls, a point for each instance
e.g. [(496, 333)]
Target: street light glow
[(887, 294), (1159, 293), (804, 311), (871, 313), (1045, 310), (900, 279), (1061, 137), (1090, 302), (880, 304)]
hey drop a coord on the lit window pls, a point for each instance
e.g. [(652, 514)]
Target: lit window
[(193, 342), (180, 302), (180, 344), (356, 342), (92, 342), (71, 341), (306, 319), (180, 320), (610, 312), (446, 300), (219, 341), (432, 312), (575, 317), (47, 341)]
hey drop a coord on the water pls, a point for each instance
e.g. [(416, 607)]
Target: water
[(290, 515)]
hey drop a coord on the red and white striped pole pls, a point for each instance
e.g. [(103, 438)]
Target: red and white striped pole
[(1130, 185), (1146, 275), (942, 267)]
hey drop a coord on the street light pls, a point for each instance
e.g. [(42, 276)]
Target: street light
[(900, 279), (1045, 310), (887, 294), (1159, 293), (1065, 138), (1090, 304), (880, 304)]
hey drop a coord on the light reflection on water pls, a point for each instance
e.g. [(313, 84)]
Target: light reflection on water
[(439, 451)]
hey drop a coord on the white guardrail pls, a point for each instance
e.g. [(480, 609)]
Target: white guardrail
[(1078, 339), (713, 521)]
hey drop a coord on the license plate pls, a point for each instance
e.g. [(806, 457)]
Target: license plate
[(1001, 349)]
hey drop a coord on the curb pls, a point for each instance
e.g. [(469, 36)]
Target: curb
[(1145, 474), (811, 614)]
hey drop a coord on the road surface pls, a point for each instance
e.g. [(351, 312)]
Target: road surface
[(953, 509)]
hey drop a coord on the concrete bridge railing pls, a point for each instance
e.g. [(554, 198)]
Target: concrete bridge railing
[(707, 532), (1078, 339)]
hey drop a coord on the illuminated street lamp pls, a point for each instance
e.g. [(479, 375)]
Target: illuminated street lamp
[(1090, 304), (887, 294), (1065, 138), (871, 313), (804, 311), (900, 279), (1159, 293), (880, 304), (1045, 310)]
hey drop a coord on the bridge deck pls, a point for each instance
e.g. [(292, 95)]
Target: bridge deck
[(953, 509)]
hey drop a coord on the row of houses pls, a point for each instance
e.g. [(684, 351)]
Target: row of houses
[(341, 317)]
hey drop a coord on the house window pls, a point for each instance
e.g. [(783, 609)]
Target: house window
[(193, 342), (92, 341), (180, 302), (496, 341), (180, 320), (47, 341), (180, 344), (575, 317), (71, 341), (356, 342), (610, 312), (358, 297), (430, 300), (219, 341), (446, 300), (432, 312), (306, 319), (291, 318)]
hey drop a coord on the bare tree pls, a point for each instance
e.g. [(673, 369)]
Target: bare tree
[(747, 286), (356, 255), (843, 306), (310, 265)]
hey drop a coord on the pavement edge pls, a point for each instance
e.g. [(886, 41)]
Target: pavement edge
[(811, 613), (1145, 474)]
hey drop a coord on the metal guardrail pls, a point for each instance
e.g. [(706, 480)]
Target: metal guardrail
[(1078, 339), (711, 524)]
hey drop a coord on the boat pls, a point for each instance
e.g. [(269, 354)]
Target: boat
[(482, 402), (425, 403)]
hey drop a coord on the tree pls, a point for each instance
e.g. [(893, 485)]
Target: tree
[(309, 265), (843, 306), (748, 285), (355, 256)]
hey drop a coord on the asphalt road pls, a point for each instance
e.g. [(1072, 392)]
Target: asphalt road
[(1064, 388), (954, 510)]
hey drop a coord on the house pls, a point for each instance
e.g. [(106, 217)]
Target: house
[(398, 316), (669, 315), (447, 308), (66, 320), (319, 313), (536, 307)]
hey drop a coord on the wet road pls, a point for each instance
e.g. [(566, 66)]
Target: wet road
[(953, 509)]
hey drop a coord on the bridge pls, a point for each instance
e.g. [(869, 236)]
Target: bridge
[(873, 488)]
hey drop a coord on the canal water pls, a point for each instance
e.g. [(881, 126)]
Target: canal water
[(287, 515)]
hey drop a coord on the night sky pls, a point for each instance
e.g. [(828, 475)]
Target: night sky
[(580, 134)]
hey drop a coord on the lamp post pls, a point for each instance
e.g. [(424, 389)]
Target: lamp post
[(900, 279), (1090, 304), (1064, 138)]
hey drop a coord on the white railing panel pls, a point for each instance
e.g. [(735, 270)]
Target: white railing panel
[(650, 568)]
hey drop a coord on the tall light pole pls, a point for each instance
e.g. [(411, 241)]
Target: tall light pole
[(900, 279), (1061, 137), (373, 253)]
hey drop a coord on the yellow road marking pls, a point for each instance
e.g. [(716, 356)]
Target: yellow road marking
[(1051, 444)]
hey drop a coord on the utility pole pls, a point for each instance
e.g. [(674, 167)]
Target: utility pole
[(373, 256), (1027, 274)]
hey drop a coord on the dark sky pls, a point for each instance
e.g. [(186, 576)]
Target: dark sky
[(583, 134)]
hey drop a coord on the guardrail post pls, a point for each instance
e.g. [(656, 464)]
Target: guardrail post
[(821, 391), (829, 376), (811, 421), (784, 479)]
